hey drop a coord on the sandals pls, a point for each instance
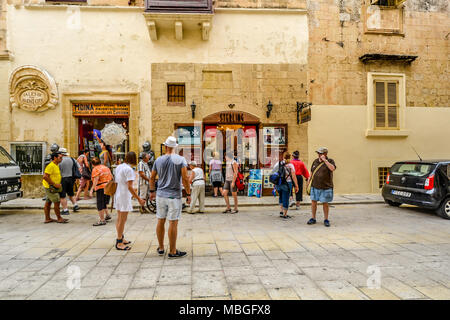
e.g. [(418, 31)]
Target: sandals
[(64, 221), (234, 211), (126, 242), (120, 241), (160, 252), (227, 211), (178, 254), (108, 217), (99, 223)]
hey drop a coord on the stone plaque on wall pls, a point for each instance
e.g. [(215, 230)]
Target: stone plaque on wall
[(32, 89)]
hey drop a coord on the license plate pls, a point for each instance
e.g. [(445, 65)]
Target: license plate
[(401, 193)]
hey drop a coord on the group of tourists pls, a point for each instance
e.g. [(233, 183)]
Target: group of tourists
[(167, 192)]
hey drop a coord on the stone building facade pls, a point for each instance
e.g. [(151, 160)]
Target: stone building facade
[(112, 60)]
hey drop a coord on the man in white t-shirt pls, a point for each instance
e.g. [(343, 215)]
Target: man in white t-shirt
[(197, 181)]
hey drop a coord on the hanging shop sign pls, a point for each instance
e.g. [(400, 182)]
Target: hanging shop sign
[(303, 112), (101, 109)]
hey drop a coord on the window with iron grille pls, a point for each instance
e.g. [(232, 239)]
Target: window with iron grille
[(176, 94), (386, 105), (382, 176)]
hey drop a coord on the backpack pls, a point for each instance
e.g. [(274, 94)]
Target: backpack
[(76, 174), (239, 180), (278, 178)]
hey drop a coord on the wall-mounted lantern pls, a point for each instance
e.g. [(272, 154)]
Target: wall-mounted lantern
[(269, 109), (193, 107)]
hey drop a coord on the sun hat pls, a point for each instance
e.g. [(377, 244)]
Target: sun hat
[(63, 151), (322, 150), (171, 142), (193, 163)]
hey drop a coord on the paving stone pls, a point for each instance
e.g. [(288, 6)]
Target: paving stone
[(152, 262), (252, 249), (283, 294), (228, 246), (275, 254), (260, 261), (97, 277), (341, 290), (209, 283), (248, 292), (127, 268), (379, 294), (206, 263), (88, 293), (203, 238), (400, 289), (173, 292), (52, 290), (28, 286), (310, 293), (175, 275), (145, 278), (234, 259), (110, 261), (205, 249), (116, 286), (243, 274), (140, 294), (435, 292)]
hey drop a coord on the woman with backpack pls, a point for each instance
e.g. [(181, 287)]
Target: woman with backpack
[(231, 175), (287, 180)]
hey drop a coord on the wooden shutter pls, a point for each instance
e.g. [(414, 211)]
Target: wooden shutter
[(386, 105)]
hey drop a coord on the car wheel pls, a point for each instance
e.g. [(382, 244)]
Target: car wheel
[(444, 209), (393, 204)]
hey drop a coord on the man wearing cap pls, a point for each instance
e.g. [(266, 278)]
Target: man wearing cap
[(66, 167), (52, 187), (322, 184), (171, 170)]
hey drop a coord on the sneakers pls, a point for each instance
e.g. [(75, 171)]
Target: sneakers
[(312, 221), (99, 223), (326, 223), (76, 208), (178, 254), (65, 212), (292, 204)]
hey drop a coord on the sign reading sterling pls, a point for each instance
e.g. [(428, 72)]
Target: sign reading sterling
[(110, 109)]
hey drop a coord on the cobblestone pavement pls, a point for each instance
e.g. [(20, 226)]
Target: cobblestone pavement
[(251, 255)]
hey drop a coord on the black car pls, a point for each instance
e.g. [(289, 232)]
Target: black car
[(423, 183)]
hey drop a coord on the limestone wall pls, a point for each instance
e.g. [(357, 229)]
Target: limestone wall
[(338, 38), (250, 89)]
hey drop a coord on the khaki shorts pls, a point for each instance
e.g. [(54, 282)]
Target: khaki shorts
[(143, 189), (52, 197)]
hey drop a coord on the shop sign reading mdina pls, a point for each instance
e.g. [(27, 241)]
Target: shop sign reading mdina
[(32, 89)]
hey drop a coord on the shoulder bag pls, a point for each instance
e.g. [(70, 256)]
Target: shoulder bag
[(308, 186)]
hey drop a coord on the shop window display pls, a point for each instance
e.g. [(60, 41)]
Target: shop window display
[(87, 139)]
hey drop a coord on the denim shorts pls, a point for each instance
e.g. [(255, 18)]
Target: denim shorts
[(322, 195), (168, 208)]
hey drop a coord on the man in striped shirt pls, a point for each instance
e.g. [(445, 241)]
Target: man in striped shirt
[(144, 178)]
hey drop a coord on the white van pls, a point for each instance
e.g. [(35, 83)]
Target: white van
[(10, 178)]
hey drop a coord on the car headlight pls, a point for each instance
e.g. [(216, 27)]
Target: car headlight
[(16, 188), (9, 189)]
